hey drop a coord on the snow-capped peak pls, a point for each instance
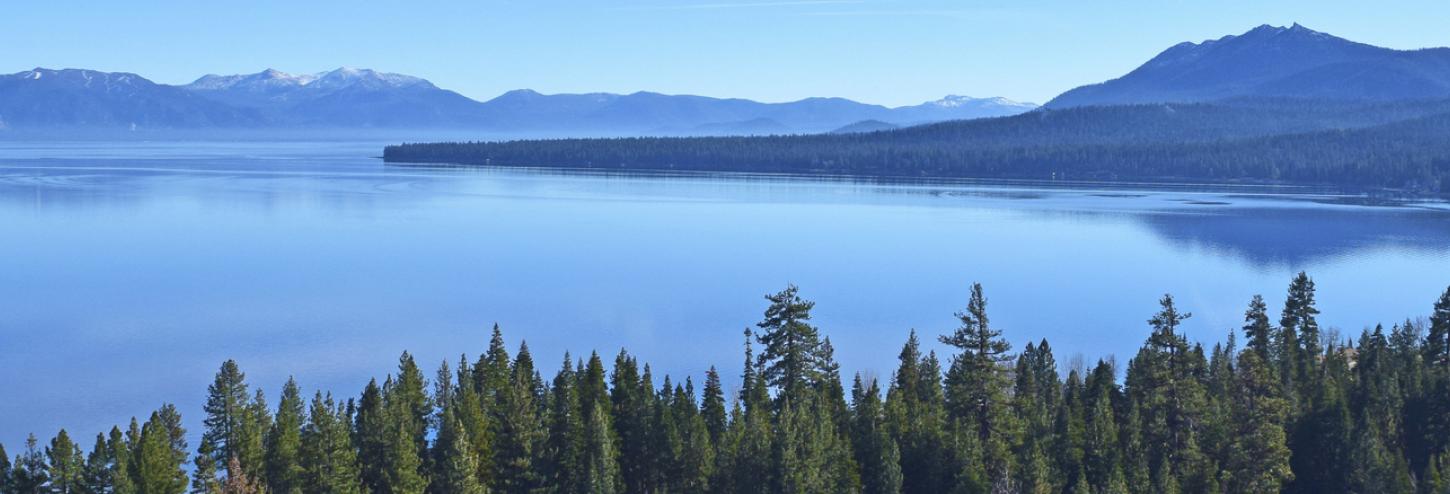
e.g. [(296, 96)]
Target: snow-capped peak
[(956, 101)]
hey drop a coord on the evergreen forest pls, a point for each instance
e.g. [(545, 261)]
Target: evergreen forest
[(1280, 405)]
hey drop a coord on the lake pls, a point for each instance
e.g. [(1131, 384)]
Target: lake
[(130, 270)]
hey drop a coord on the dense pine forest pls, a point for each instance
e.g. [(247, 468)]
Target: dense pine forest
[(1398, 146), (1294, 409)]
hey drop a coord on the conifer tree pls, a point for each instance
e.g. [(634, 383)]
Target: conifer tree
[(284, 442), (1299, 327), (1102, 451), (978, 381), (627, 401), (519, 434), (563, 450), (470, 410), (225, 426), (120, 472), (328, 459), (916, 419), (599, 451), (370, 435), (403, 465), (752, 444), (160, 452), (29, 473), (1164, 383), (408, 400), (1257, 332), (790, 346), (1260, 455), (95, 474), (491, 374), (601, 470), (712, 406), (65, 465), (251, 451), (877, 455), (457, 469)]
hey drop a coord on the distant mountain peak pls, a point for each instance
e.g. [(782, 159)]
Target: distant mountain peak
[(957, 101), (1273, 61)]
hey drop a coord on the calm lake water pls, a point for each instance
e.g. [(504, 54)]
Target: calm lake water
[(129, 271)]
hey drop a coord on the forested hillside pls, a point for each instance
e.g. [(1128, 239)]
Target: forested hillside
[(1292, 408), (1389, 145)]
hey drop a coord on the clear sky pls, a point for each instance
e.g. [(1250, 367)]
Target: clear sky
[(891, 52)]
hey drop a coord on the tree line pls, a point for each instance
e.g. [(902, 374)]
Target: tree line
[(1296, 409), (1358, 146)]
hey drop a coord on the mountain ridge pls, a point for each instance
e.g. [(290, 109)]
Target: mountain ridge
[(1270, 61), (365, 98)]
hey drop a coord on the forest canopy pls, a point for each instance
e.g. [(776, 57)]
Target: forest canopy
[(1294, 408), (1354, 145)]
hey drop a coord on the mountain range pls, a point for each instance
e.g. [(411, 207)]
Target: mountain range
[(360, 98), (1273, 105)]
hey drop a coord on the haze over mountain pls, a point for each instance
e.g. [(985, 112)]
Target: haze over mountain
[(349, 98), (1270, 61)]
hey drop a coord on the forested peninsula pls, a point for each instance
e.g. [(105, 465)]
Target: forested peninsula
[(1280, 406), (1361, 146)]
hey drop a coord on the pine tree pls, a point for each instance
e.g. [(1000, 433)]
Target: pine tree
[(64, 465), (518, 431), (1102, 451), (470, 410), (370, 435), (601, 470), (876, 453), (790, 345), (977, 383), (563, 450), (403, 461), (1299, 326), (1257, 332), (284, 442), (1163, 380), (491, 374), (327, 457), (251, 451), (1260, 455), (457, 469), (916, 420), (712, 406), (225, 425), (752, 445), (120, 473), (408, 399), (160, 452), (30, 473), (96, 473)]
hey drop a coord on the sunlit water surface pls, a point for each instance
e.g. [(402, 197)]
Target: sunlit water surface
[(129, 271)]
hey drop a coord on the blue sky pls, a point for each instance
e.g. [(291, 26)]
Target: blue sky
[(891, 52)]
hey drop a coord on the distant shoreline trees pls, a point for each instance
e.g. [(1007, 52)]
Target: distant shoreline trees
[(1297, 410), (1361, 147)]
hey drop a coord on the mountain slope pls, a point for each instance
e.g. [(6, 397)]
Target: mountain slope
[(46, 98), (1272, 61), (343, 98)]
